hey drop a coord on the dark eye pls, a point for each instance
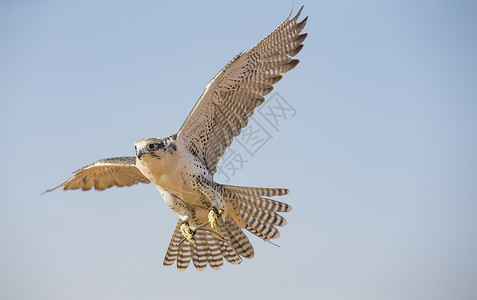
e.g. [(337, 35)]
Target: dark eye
[(151, 146)]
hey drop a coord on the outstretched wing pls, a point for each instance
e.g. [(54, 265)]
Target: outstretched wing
[(231, 97), (105, 173)]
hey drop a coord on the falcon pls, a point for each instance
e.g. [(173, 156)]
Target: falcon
[(211, 216)]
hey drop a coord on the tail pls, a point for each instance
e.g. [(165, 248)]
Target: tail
[(258, 214), (248, 209), (209, 248)]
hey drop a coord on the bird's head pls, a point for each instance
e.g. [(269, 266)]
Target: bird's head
[(150, 147)]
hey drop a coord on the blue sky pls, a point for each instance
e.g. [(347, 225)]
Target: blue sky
[(380, 156)]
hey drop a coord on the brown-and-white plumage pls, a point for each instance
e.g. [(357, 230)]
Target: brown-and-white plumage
[(231, 97), (105, 173), (212, 216)]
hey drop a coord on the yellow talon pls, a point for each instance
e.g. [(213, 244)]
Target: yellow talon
[(214, 216), (188, 232)]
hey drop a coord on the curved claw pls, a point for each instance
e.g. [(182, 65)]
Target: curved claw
[(188, 232), (214, 216)]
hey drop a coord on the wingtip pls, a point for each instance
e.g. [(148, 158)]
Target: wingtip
[(298, 13), (48, 190), (51, 190), (302, 24), (292, 64)]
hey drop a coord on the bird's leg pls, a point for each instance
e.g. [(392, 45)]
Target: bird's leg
[(217, 204), (187, 231), (214, 215)]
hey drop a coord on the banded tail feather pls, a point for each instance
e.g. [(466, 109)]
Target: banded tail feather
[(209, 248), (173, 249), (260, 216), (257, 191), (259, 213), (184, 256)]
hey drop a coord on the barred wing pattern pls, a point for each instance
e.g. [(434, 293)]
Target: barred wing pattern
[(105, 173), (230, 98)]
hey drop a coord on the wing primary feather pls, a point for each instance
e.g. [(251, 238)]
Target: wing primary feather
[(242, 83), (103, 174)]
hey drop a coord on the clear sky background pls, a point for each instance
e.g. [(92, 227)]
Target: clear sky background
[(380, 156)]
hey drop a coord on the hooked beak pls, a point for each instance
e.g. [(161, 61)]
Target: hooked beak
[(139, 153)]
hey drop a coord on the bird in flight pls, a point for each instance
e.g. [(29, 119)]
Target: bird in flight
[(212, 216)]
